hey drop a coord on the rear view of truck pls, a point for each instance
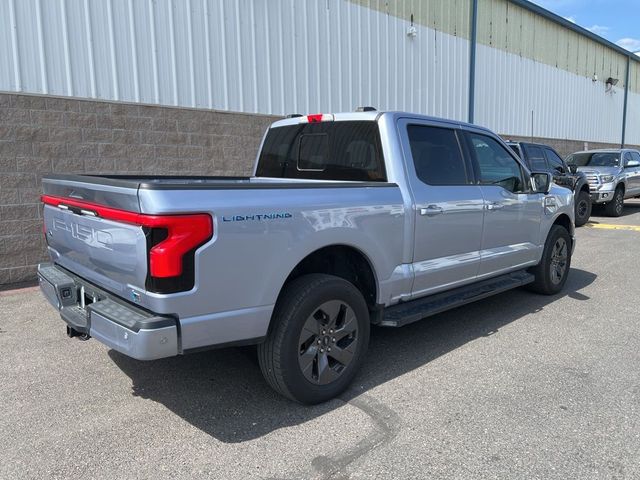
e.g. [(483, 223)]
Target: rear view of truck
[(350, 220), (160, 266), (104, 251)]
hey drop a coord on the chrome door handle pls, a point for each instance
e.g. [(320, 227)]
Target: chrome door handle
[(431, 210), (495, 206)]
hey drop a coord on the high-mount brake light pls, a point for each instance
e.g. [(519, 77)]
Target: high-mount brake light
[(183, 232), (317, 118)]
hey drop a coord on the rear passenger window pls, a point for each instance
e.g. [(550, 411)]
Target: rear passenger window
[(555, 162), (436, 155), (496, 166), (627, 157), (536, 159)]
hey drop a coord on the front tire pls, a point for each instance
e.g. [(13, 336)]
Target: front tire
[(552, 271), (318, 339), (583, 208), (616, 206)]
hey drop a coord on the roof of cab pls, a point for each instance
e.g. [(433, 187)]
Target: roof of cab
[(607, 150), (374, 116)]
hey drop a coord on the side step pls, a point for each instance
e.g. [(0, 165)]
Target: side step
[(414, 310)]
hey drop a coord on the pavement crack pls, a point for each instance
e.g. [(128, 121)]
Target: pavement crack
[(386, 426)]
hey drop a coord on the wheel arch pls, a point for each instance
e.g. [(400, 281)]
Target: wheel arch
[(341, 260), (564, 221)]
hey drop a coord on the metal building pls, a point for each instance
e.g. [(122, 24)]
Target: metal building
[(535, 73)]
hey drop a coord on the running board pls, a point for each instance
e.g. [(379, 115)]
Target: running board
[(414, 310)]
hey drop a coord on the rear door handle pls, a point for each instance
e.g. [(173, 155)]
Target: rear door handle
[(431, 210), (495, 206)]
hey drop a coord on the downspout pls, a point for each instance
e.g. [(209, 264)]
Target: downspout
[(624, 108), (472, 58)]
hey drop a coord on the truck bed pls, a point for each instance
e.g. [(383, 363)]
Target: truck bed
[(254, 233), (162, 182), (122, 191)]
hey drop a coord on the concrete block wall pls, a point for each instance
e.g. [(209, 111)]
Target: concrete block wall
[(44, 134)]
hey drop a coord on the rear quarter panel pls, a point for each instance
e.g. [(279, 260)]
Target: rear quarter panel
[(249, 258)]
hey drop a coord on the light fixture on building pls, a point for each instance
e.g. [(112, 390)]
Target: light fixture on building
[(412, 31), (594, 79), (610, 83)]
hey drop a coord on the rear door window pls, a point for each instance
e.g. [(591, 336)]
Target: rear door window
[(536, 159), (436, 155), (343, 150), (555, 162)]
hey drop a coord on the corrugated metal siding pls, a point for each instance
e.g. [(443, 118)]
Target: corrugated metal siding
[(567, 106), (633, 119), (511, 28), (284, 56), (276, 57), (448, 16), (633, 105)]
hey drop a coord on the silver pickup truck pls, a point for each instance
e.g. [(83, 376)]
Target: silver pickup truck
[(613, 176), (349, 220)]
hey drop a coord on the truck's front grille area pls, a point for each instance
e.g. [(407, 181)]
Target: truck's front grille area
[(593, 181)]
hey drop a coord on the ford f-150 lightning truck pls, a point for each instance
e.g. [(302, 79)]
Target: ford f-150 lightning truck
[(349, 220)]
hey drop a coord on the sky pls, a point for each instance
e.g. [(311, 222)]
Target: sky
[(616, 20)]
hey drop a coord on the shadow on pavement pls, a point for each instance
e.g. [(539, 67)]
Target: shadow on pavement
[(222, 392), (631, 207)]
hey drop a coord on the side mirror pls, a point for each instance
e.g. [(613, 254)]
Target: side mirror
[(573, 168), (632, 163), (541, 182)]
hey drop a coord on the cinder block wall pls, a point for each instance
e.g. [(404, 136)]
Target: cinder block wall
[(43, 134)]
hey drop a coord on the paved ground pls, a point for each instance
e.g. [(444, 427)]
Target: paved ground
[(517, 386)]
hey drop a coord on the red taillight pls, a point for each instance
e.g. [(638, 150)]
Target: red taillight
[(317, 118), (184, 232)]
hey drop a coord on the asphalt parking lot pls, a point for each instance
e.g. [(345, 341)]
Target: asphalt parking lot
[(516, 386)]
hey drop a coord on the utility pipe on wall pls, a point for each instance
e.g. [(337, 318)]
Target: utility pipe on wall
[(624, 107), (472, 58)]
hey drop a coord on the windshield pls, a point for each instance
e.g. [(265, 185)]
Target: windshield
[(595, 159)]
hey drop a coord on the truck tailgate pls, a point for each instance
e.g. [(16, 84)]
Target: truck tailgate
[(108, 253)]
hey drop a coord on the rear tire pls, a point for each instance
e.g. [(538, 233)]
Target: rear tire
[(552, 271), (318, 339), (583, 208), (615, 207)]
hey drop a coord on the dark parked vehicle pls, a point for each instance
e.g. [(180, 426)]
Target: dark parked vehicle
[(543, 158)]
